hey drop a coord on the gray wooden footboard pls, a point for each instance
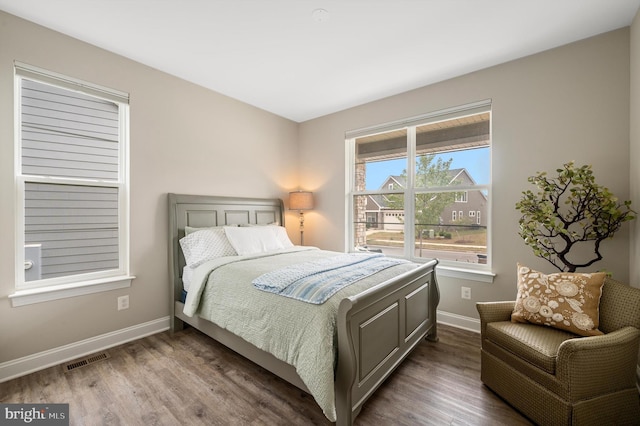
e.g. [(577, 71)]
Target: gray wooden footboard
[(377, 329)]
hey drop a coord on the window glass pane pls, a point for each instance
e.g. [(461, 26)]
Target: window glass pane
[(379, 223), (70, 230), (381, 161), (453, 152), (447, 233), (68, 134)]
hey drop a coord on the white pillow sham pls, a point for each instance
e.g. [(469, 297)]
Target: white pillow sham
[(257, 239), (282, 236), (205, 244)]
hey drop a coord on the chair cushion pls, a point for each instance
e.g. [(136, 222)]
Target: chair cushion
[(532, 343), (566, 301)]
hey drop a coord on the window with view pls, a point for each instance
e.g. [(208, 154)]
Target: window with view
[(409, 180), (72, 181)]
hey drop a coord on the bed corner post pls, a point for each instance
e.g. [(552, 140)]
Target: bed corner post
[(346, 369), (175, 324), (434, 298)]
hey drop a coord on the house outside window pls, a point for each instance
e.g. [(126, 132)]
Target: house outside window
[(72, 184), (418, 169)]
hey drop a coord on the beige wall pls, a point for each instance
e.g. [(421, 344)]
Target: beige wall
[(184, 139), (634, 155), (570, 103)]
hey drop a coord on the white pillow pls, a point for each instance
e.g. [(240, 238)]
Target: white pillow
[(206, 244), (257, 239), (282, 236)]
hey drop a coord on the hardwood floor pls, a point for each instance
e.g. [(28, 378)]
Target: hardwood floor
[(189, 379)]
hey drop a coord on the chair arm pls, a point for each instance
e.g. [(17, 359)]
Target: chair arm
[(493, 312), (599, 364)]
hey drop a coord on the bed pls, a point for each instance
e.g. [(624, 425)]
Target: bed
[(375, 322)]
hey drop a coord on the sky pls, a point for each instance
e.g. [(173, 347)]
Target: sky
[(476, 161)]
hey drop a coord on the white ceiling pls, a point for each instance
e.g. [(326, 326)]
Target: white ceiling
[(275, 55)]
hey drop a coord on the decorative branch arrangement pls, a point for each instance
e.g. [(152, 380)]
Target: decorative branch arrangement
[(569, 210)]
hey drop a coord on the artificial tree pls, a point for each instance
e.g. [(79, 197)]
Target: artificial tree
[(568, 211)]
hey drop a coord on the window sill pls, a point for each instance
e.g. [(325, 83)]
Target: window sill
[(45, 294), (484, 276)]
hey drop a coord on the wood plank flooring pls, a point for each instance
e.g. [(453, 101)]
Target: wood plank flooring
[(189, 379)]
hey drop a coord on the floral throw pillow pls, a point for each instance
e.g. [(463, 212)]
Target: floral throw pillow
[(567, 301)]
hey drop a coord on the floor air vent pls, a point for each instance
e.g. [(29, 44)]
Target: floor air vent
[(85, 361)]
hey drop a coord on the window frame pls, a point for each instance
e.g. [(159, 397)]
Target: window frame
[(475, 271), (27, 292)]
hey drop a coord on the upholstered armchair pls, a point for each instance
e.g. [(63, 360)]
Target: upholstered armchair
[(555, 377)]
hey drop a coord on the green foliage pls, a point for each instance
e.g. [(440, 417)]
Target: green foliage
[(569, 210), (429, 206)]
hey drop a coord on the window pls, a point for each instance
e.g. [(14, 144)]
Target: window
[(461, 197), (435, 161), (72, 181)]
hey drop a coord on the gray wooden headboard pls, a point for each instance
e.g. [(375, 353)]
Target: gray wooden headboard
[(203, 211)]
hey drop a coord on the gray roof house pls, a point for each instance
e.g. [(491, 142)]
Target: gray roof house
[(469, 207)]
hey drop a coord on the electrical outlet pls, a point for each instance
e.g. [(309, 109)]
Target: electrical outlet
[(466, 293), (123, 302)]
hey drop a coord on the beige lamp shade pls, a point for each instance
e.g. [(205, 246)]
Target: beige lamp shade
[(300, 200)]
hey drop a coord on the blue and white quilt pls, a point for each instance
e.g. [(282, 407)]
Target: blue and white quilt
[(316, 281)]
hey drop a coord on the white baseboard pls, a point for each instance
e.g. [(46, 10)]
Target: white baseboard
[(32, 363), (459, 321)]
